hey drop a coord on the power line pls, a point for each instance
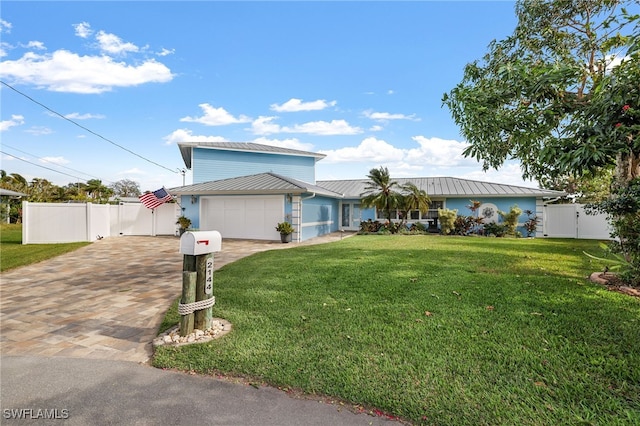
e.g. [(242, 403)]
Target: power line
[(51, 162), (40, 165), (85, 128)]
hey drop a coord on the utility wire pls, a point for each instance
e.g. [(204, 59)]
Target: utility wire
[(40, 165), (85, 128), (51, 162)]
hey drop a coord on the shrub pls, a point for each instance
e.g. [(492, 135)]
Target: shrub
[(447, 220), (418, 228), (623, 209), (511, 219), (370, 227), (532, 223), (494, 229), (464, 224)]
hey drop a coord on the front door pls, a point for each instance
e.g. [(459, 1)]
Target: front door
[(350, 217)]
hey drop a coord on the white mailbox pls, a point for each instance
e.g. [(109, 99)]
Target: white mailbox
[(200, 242)]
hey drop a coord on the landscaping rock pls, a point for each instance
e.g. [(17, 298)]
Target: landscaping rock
[(219, 328)]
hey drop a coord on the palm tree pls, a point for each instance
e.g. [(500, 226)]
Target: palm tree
[(380, 192), (413, 198)]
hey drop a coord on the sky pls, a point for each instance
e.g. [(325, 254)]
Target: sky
[(106, 90)]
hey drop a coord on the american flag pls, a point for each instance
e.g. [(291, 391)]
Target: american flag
[(151, 200)]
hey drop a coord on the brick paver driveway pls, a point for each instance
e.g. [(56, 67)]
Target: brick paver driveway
[(103, 301)]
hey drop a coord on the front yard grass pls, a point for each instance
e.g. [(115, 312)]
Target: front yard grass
[(434, 330), (13, 254)]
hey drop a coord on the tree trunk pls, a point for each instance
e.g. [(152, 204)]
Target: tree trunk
[(627, 168)]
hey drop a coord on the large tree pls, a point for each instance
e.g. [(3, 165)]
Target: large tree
[(387, 195), (381, 192), (413, 198), (533, 96), (562, 95), (125, 188)]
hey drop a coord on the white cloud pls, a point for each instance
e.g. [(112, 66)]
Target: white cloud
[(375, 128), (38, 45), (87, 116), (432, 153), (215, 117), (83, 29), (16, 120), (5, 26), (294, 105), (264, 126), (386, 116), (292, 143), (166, 52), (64, 71), (39, 131), (509, 173), (438, 152), (391, 92), (3, 48), (186, 135), (54, 160), (333, 127), (369, 150), (113, 44)]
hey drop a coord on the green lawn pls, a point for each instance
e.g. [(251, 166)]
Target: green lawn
[(13, 254), (434, 330)]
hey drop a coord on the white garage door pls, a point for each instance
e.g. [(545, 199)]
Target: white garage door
[(242, 217)]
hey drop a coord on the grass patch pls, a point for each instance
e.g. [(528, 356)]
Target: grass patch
[(13, 254), (435, 330)]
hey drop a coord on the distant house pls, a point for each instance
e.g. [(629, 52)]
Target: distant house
[(243, 190)]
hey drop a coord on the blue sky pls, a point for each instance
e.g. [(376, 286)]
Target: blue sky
[(361, 82)]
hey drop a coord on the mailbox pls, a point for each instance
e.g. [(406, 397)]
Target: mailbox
[(200, 242)]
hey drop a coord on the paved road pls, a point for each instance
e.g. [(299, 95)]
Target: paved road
[(105, 392)]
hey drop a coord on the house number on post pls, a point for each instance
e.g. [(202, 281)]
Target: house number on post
[(208, 285)]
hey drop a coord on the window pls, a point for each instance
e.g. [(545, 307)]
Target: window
[(432, 213), (433, 209), (382, 215)]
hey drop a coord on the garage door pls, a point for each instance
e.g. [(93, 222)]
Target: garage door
[(242, 217)]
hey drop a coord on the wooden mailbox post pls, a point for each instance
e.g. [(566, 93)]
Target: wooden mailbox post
[(196, 303)]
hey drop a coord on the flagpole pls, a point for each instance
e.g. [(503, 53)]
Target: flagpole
[(153, 222)]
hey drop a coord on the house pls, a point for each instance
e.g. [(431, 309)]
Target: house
[(243, 190)]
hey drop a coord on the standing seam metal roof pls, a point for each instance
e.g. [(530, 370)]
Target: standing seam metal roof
[(262, 183), (187, 147), (443, 187), (265, 183)]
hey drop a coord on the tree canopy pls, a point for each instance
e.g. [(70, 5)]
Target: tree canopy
[(43, 191), (381, 192), (387, 195), (560, 94)]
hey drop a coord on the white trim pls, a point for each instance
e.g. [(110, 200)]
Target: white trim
[(326, 222)]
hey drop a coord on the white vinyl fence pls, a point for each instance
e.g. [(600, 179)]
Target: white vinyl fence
[(44, 223), (571, 221)]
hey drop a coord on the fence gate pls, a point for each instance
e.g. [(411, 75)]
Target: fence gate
[(571, 221)]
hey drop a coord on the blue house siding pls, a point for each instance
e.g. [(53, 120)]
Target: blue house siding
[(192, 211), (319, 216), (503, 204), (212, 164)]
